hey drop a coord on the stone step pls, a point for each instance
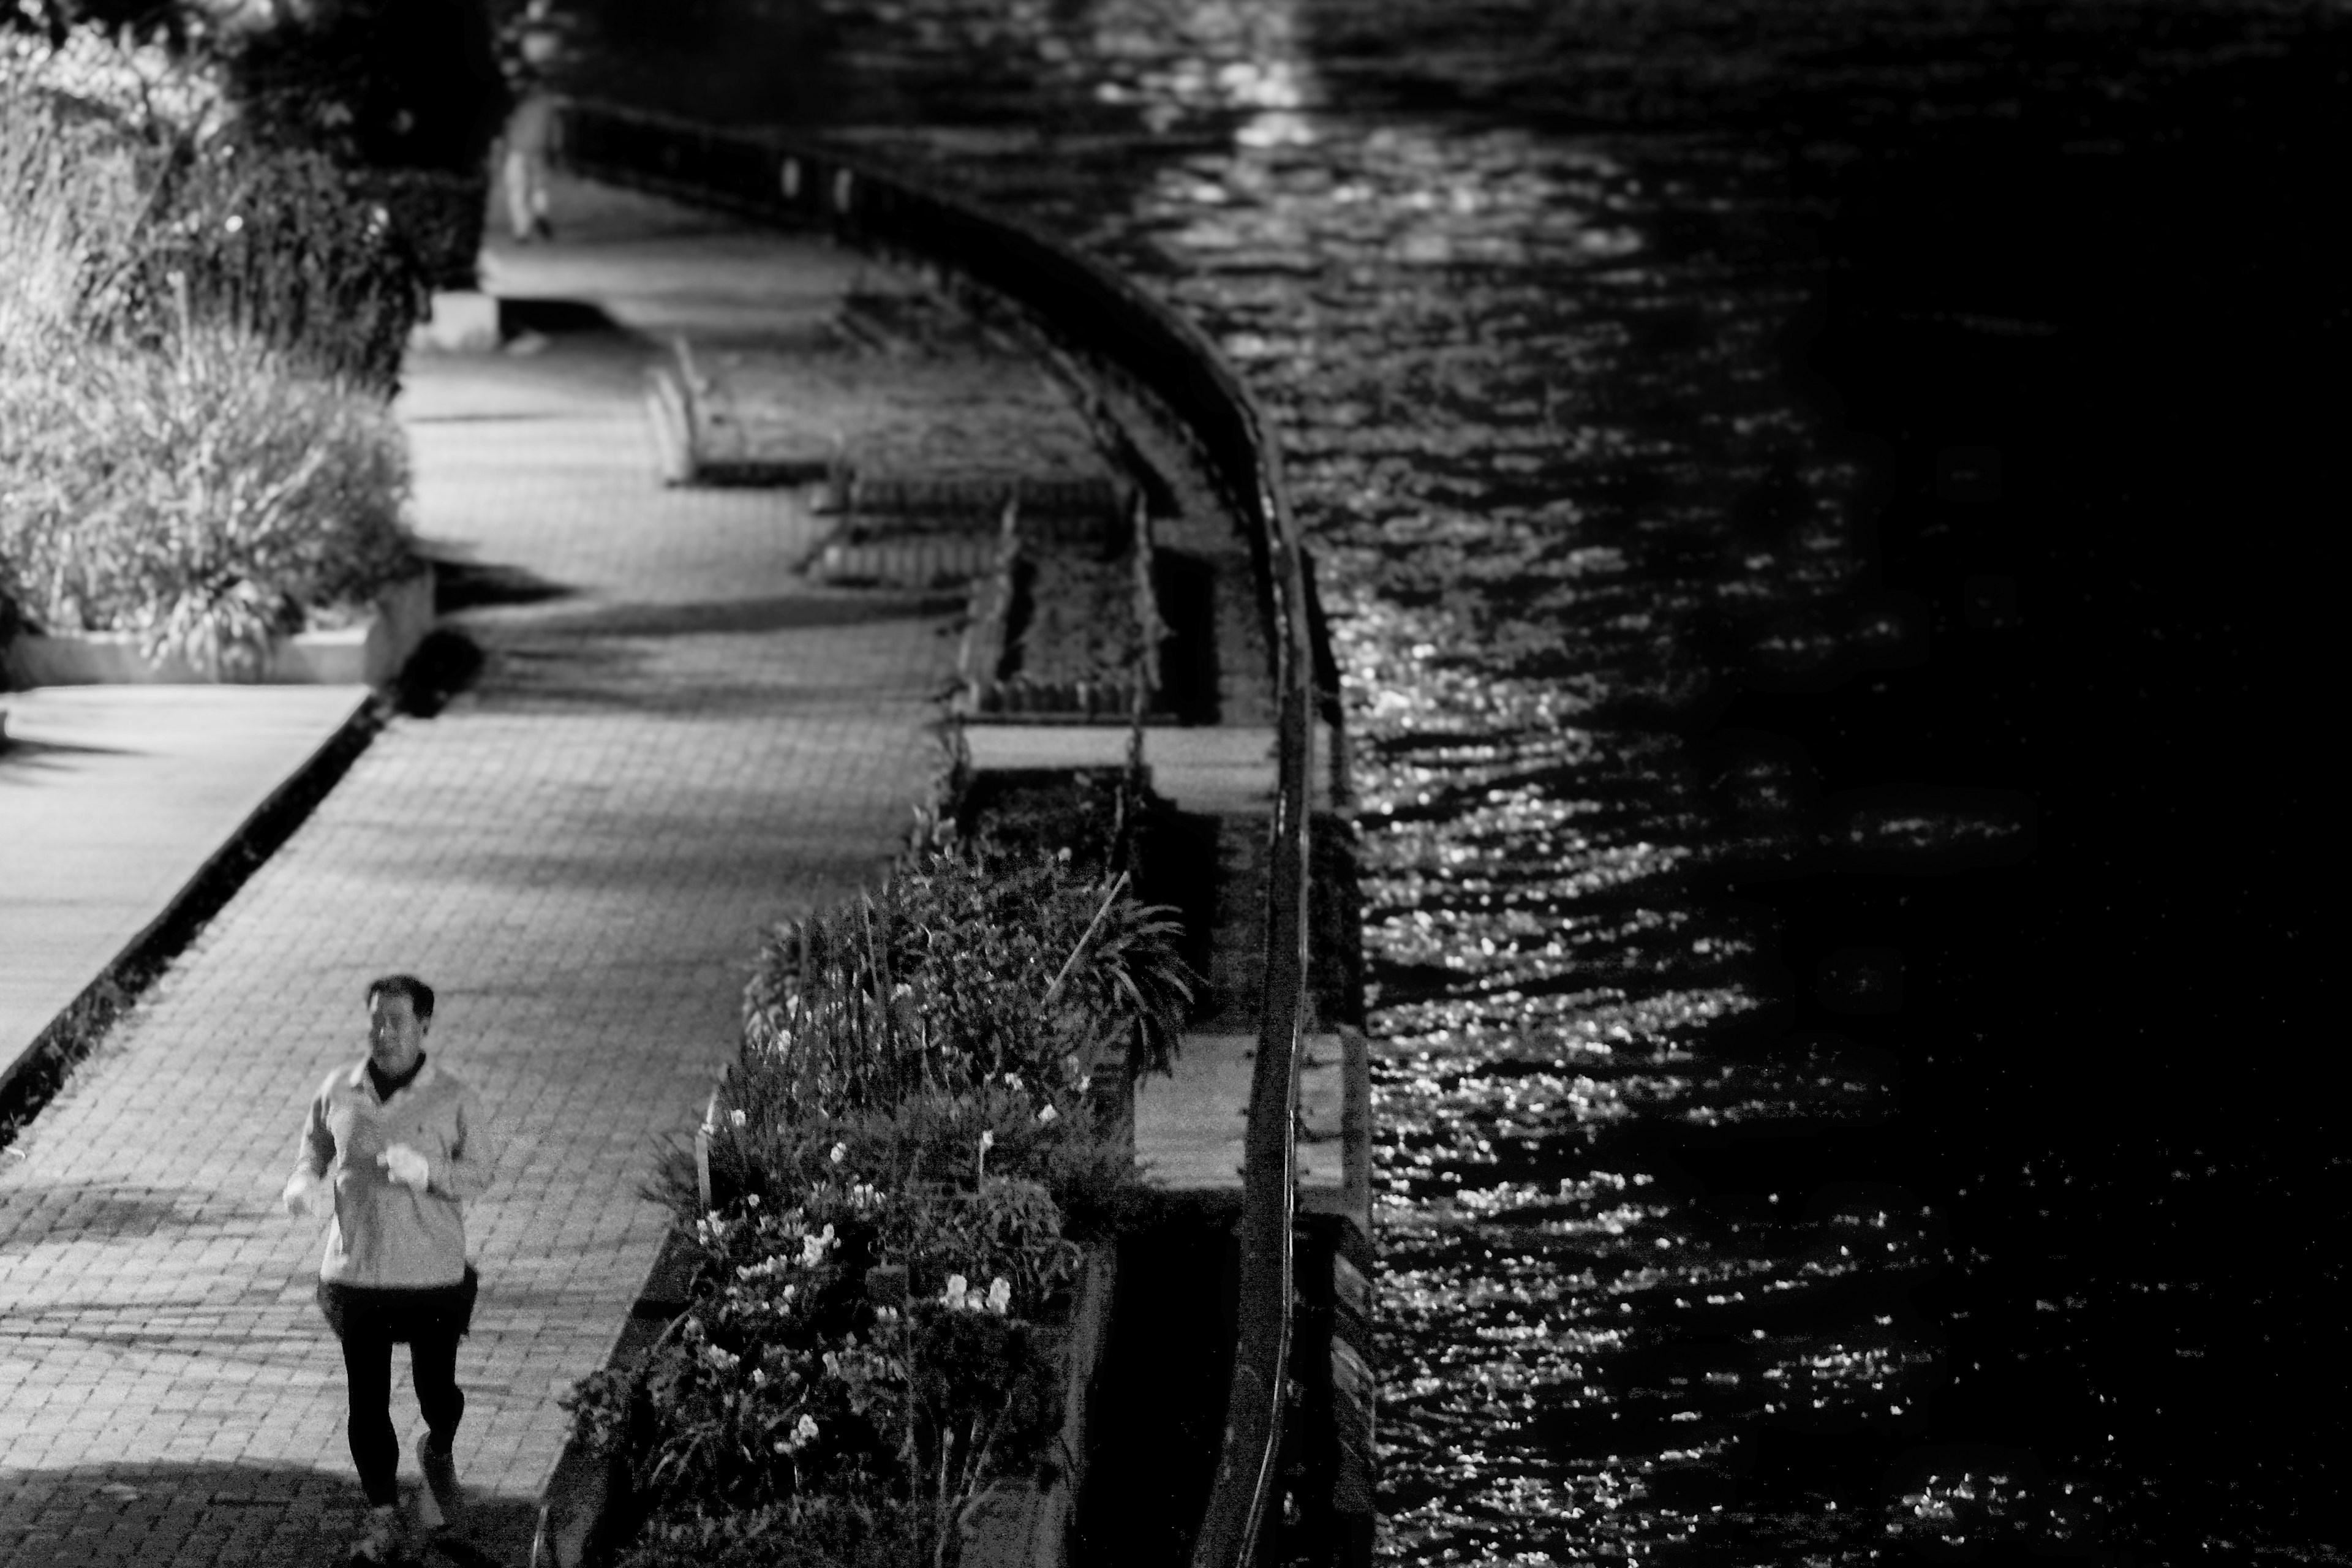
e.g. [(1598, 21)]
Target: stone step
[(1222, 770), (1190, 1127), (924, 562)]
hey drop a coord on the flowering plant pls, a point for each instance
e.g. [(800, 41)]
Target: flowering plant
[(879, 1207)]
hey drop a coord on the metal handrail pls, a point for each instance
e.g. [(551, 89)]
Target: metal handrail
[(1104, 316)]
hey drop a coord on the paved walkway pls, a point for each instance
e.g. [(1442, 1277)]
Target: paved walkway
[(672, 741), (114, 798)]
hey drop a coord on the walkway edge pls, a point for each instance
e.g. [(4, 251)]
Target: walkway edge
[(95, 1008)]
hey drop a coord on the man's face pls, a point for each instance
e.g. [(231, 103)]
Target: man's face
[(395, 1033)]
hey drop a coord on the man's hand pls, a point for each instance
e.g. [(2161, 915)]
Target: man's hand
[(302, 1195), (405, 1165)]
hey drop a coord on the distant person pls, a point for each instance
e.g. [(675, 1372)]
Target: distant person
[(529, 134), (391, 1150)]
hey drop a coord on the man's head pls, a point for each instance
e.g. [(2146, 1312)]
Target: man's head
[(400, 1011)]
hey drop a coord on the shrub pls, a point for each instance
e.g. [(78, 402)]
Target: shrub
[(148, 212), (206, 502), (385, 84), (75, 188), (281, 246), (437, 217), (191, 340)]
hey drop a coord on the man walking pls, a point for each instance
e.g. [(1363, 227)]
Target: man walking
[(391, 1149)]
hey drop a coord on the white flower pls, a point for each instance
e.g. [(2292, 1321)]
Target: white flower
[(1086, 1083), (806, 1431), (1013, 1081), (813, 1248), (736, 1118), (754, 1201), (759, 1378), (1047, 1115), (1000, 1296), (956, 1295), (840, 1152), (987, 1141), (719, 1358)]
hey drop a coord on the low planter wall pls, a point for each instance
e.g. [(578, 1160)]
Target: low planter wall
[(370, 653), (1027, 1523)]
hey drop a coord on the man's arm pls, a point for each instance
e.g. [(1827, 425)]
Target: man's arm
[(465, 1172), (311, 1160)]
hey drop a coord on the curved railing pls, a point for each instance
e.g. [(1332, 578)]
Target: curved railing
[(1104, 316)]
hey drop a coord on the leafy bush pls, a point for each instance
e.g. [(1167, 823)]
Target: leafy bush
[(383, 84), (150, 212), (438, 217), (205, 501), (76, 186), (190, 340), (281, 246)]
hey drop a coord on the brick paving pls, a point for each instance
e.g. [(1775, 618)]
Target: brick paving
[(673, 739), (114, 798)]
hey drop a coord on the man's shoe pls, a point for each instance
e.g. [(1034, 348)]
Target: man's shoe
[(379, 1542), (442, 1497)]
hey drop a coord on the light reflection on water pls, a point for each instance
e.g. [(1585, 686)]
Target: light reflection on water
[(1516, 487), (1528, 382)]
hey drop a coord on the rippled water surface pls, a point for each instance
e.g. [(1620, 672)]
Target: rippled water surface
[(1787, 1151)]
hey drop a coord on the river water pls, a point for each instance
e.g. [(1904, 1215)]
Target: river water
[(1819, 511)]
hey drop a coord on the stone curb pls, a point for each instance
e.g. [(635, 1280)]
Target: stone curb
[(576, 1516)]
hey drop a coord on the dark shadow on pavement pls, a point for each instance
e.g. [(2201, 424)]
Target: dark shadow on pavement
[(553, 317), (460, 584), (445, 664), (20, 752), (783, 613), (256, 1516)]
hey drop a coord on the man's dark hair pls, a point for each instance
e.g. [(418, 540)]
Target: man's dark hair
[(419, 994)]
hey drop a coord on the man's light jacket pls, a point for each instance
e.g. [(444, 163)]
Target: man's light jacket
[(383, 1233)]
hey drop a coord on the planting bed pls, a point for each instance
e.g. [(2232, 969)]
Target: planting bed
[(1064, 633), (889, 1294), (947, 434)]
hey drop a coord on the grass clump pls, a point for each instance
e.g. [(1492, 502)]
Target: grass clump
[(902, 1166), (208, 503), (195, 342)]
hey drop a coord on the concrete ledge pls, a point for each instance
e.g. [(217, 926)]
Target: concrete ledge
[(461, 321), (1226, 768), (1190, 1128), (371, 653)]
